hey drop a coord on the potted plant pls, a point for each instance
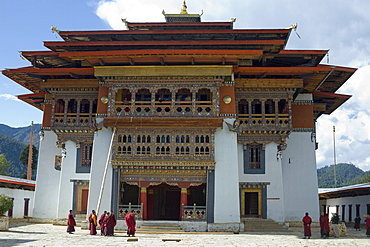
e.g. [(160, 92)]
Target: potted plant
[(6, 203)]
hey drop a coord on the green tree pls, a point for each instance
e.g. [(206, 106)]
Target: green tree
[(5, 204), (24, 158), (4, 165)]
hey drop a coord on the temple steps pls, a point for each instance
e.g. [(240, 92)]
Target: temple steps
[(160, 227), (263, 225)]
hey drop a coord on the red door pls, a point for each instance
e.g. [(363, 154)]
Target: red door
[(85, 196)]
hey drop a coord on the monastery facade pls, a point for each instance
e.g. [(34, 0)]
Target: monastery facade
[(180, 120)]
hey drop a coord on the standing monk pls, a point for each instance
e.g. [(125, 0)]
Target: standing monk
[(92, 223), (324, 225), (113, 221), (357, 225), (130, 223), (307, 226), (101, 222), (367, 225), (107, 225), (71, 223)]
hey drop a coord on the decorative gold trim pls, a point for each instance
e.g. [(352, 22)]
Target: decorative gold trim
[(212, 70), (259, 191)]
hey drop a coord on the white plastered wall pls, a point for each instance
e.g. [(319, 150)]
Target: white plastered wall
[(18, 196), (47, 178), (352, 200), (102, 140), (300, 177), (273, 175), (226, 201), (68, 173)]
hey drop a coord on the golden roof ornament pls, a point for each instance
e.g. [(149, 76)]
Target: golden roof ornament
[(184, 9)]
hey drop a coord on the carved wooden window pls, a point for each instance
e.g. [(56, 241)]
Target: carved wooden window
[(86, 154), (283, 107), (254, 159), (72, 106), (84, 106), (243, 107), (163, 96), (204, 97), (256, 107), (269, 107), (59, 106), (123, 97), (254, 156)]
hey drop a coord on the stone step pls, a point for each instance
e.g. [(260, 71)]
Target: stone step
[(263, 225), (157, 227)]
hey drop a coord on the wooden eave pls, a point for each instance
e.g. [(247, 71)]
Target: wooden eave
[(35, 99), (330, 100), (163, 56), (54, 45), (345, 193), (163, 122), (66, 34), (159, 52), (179, 25), (332, 80), (278, 70), (42, 59), (23, 79), (31, 78)]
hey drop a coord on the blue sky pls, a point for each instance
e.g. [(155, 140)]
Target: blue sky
[(339, 25)]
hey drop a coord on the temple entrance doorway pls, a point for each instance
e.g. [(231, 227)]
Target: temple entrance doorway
[(251, 204), (164, 202)]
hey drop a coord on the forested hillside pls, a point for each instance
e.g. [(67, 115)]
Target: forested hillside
[(12, 149), (22, 134), (346, 174)]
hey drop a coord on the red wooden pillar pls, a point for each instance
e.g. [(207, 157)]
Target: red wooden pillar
[(144, 201), (183, 200)]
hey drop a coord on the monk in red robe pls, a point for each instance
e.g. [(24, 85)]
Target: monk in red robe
[(113, 223), (367, 225), (307, 226), (92, 223), (107, 224), (324, 225), (71, 223), (130, 222), (101, 222)]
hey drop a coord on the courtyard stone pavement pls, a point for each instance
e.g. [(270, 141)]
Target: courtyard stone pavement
[(25, 234)]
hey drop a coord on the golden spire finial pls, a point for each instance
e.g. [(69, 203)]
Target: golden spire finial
[(184, 8)]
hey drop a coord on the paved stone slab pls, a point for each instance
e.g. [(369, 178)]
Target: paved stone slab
[(25, 234)]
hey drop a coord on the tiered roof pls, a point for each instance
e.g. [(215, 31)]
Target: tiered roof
[(184, 40)]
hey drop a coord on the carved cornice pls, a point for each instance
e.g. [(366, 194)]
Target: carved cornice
[(78, 137), (262, 139)]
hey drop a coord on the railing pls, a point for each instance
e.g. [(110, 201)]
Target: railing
[(164, 108), (73, 119), (193, 213), (264, 122), (137, 210)]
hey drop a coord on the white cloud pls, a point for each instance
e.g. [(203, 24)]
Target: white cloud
[(352, 123), (8, 97), (341, 27)]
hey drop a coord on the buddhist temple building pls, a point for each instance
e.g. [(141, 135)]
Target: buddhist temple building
[(180, 120)]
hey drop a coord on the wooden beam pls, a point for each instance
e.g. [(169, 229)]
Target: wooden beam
[(319, 107), (269, 83), (191, 70), (158, 43), (161, 52), (125, 32), (163, 122), (63, 83)]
